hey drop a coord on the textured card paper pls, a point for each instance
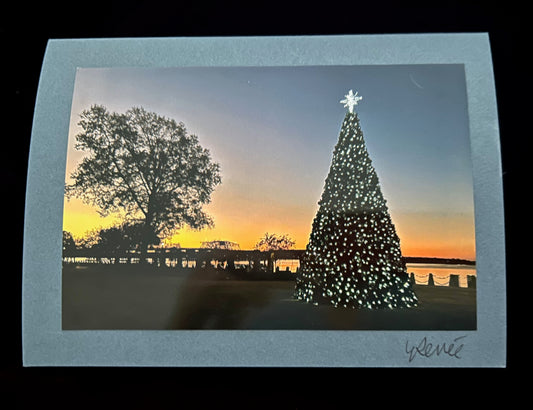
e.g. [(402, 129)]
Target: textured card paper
[(321, 201)]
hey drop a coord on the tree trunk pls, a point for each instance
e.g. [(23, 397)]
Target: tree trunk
[(270, 265), (145, 234)]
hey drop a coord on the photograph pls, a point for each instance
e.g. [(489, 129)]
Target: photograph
[(301, 197)]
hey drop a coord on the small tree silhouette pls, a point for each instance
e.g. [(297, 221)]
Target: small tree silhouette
[(228, 245), (274, 242), (124, 237), (68, 242)]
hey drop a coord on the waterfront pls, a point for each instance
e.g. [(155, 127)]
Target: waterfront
[(441, 273)]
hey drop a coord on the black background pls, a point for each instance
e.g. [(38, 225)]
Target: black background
[(25, 29)]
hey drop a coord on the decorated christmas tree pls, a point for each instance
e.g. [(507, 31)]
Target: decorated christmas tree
[(353, 258)]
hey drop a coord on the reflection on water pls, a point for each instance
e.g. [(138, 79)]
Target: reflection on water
[(441, 273)]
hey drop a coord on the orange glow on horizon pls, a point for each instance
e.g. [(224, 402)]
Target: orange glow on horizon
[(421, 234), (79, 218), (436, 235)]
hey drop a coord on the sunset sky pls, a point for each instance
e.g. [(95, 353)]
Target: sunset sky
[(273, 130)]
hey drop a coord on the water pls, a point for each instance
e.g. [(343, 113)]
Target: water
[(283, 264), (441, 273)]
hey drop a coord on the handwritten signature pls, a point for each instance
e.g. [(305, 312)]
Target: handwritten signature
[(426, 349)]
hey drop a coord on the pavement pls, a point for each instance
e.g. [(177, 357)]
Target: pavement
[(105, 297)]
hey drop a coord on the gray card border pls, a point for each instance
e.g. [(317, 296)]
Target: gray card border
[(45, 344)]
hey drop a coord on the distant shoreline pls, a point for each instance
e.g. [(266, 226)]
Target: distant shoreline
[(443, 261)]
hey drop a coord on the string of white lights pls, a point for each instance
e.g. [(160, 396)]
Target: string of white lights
[(353, 258)]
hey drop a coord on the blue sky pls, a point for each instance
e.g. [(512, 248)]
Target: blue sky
[(273, 129)]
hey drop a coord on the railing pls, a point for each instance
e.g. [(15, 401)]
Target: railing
[(187, 258), (452, 280), (191, 253)]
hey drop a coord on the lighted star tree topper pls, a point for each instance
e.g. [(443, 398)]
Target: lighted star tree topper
[(353, 258), (351, 100)]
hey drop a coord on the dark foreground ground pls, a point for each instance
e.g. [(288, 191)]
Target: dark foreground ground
[(106, 297)]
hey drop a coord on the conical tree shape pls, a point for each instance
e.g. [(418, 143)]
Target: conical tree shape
[(353, 258)]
